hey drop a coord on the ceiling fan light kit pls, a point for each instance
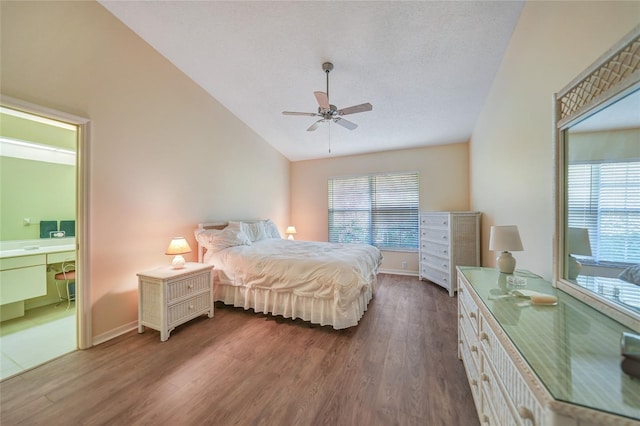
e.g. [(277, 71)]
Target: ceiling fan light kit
[(330, 112)]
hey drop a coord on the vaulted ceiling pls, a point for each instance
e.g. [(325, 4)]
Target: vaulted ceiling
[(425, 66)]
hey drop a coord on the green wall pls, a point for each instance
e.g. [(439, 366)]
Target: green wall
[(33, 131), (34, 189)]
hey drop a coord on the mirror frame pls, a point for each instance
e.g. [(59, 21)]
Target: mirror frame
[(610, 78)]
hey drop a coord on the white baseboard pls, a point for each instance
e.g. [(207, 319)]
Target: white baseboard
[(399, 272), (111, 334)]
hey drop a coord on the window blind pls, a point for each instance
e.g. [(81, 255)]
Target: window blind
[(381, 210), (605, 199)]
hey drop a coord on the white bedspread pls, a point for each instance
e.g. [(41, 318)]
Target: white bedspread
[(309, 269)]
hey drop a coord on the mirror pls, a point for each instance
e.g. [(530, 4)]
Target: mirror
[(597, 146)]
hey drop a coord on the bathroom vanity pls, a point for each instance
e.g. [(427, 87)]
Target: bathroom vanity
[(23, 270)]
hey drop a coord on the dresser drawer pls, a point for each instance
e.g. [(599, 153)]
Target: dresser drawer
[(470, 307), (468, 323), (502, 409), (435, 249), (471, 368), (435, 234), (187, 309), (435, 275), (436, 263), (188, 286), (435, 220), (525, 403)]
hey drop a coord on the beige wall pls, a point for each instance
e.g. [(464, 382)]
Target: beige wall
[(444, 185), (511, 148), (164, 155)]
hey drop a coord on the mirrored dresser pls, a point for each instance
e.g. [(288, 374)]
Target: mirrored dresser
[(530, 364)]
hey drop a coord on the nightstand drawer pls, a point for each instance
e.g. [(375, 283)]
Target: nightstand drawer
[(187, 286), (187, 309)]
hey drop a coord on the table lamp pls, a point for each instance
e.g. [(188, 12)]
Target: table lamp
[(178, 247), (291, 230), (505, 239), (577, 243)]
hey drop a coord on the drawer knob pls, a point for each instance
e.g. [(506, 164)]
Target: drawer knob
[(472, 315), (190, 286), (526, 413), (484, 336), (484, 377), (474, 382), (474, 348), (190, 307)]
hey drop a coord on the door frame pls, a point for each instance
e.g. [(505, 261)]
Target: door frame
[(83, 289)]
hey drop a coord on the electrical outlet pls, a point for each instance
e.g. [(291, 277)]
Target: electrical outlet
[(404, 264), (26, 221)]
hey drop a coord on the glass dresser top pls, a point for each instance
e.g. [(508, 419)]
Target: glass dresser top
[(572, 348)]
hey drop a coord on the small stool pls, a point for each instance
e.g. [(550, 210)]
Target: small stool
[(68, 275)]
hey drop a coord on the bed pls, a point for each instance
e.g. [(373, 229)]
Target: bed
[(323, 283)]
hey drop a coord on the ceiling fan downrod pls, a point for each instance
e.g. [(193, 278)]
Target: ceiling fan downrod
[(327, 67)]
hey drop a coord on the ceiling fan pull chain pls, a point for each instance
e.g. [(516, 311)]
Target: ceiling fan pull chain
[(329, 132)]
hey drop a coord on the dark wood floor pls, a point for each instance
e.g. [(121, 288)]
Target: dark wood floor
[(399, 366)]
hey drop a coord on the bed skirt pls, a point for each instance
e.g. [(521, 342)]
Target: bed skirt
[(317, 310)]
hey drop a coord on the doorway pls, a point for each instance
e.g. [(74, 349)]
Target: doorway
[(48, 148)]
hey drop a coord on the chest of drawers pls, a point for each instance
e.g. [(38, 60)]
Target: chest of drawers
[(169, 297), (447, 240)]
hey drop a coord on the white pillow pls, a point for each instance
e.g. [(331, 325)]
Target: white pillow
[(271, 229), (216, 240), (254, 230)]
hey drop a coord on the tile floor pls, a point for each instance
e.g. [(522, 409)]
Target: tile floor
[(42, 334)]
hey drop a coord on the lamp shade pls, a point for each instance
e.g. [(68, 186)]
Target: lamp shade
[(505, 238), (178, 245), (290, 231), (578, 241)]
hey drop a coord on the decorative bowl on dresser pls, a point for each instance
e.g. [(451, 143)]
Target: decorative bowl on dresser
[(447, 240), (553, 365)]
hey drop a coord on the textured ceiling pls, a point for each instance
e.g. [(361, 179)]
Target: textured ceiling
[(426, 67)]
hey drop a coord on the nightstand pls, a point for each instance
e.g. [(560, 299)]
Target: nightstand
[(169, 297)]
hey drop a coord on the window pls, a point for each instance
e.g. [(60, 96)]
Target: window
[(605, 199), (380, 209)]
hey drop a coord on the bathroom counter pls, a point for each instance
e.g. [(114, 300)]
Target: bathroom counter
[(23, 270)]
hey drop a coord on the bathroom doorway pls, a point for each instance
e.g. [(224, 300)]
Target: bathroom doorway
[(41, 235)]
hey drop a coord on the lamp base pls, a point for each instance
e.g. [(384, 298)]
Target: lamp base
[(506, 262), (290, 237), (178, 262), (573, 268)]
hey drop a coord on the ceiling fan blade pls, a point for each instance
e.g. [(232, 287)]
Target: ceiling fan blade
[(308, 114), (323, 99), (345, 123), (315, 125), (356, 108)]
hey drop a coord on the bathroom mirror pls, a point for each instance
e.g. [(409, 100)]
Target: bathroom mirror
[(597, 184)]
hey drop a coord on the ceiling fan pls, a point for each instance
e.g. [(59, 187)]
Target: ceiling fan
[(329, 112)]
